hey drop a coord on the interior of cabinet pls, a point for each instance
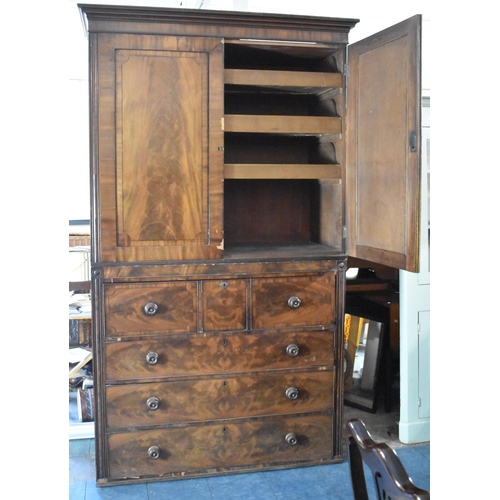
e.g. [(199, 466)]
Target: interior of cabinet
[(283, 146)]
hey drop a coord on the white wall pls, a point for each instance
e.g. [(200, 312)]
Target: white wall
[(414, 293)]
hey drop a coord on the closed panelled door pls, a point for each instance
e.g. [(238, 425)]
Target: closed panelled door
[(158, 160)]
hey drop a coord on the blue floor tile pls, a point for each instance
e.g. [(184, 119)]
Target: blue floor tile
[(81, 447), (185, 489), (339, 477), (129, 492), (82, 468), (77, 490), (424, 450), (307, 483), (413, 461), (254, 486), (331, 481)]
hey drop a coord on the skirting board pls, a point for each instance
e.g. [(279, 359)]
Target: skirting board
[(415, 432), (82, 431)]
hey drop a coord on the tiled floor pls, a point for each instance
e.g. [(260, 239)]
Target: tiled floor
[(316, 483)]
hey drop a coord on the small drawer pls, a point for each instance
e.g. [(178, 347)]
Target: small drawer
[(201, 354), (200, 447), (152, 308), (224, 305), (219, 398), (294, 301)]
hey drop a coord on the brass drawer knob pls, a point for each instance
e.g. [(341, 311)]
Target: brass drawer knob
[(294, 302), (152, 358), (292, 350), (153, 403), (292, 393), (154, 452), (291, 438), (150, 309)]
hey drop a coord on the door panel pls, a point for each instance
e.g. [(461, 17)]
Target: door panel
[(158, 123), (383, 146), (160, 161)]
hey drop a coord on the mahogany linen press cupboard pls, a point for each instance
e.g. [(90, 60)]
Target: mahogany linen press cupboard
[(237, 160)]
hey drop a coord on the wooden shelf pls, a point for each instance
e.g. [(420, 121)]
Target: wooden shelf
[(314, 81), (303, 250), (279, 124), (285, 171)]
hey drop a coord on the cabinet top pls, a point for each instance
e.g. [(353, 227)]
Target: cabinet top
[(154, 20)]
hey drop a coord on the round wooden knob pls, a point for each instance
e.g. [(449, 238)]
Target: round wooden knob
[(291, 439), (152, 358), (153, 403), (154, 452), (292, 393), (150, 309), (294, 302), (292, 350)]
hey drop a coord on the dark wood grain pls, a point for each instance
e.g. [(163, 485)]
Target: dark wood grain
[(218, 398), (224, 305), (177, 308), (200, 354), (157, 198), (160, 162), (271, 308), (262, 266), (198, 448)]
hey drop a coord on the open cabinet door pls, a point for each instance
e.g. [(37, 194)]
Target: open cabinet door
[(383, 146)]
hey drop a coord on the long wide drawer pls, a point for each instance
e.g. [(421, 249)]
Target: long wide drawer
[(295, 301), (218, 398), (200, 354), (150, 308), (206, 448)]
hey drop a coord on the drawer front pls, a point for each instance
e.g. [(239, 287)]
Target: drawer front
[(224, 305), (152, 308), (200, 354), (202, 447), (220, 398), (289, 302)]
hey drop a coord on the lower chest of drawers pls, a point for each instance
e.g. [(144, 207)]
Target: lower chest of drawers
[(202, 377)]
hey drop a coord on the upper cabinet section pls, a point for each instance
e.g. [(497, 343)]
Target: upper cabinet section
[(215, 134), (243, 135), (383, 146)]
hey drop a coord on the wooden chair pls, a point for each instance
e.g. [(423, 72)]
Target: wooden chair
[(391, 480)]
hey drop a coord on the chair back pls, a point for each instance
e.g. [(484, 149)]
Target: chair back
[(391, 480)]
